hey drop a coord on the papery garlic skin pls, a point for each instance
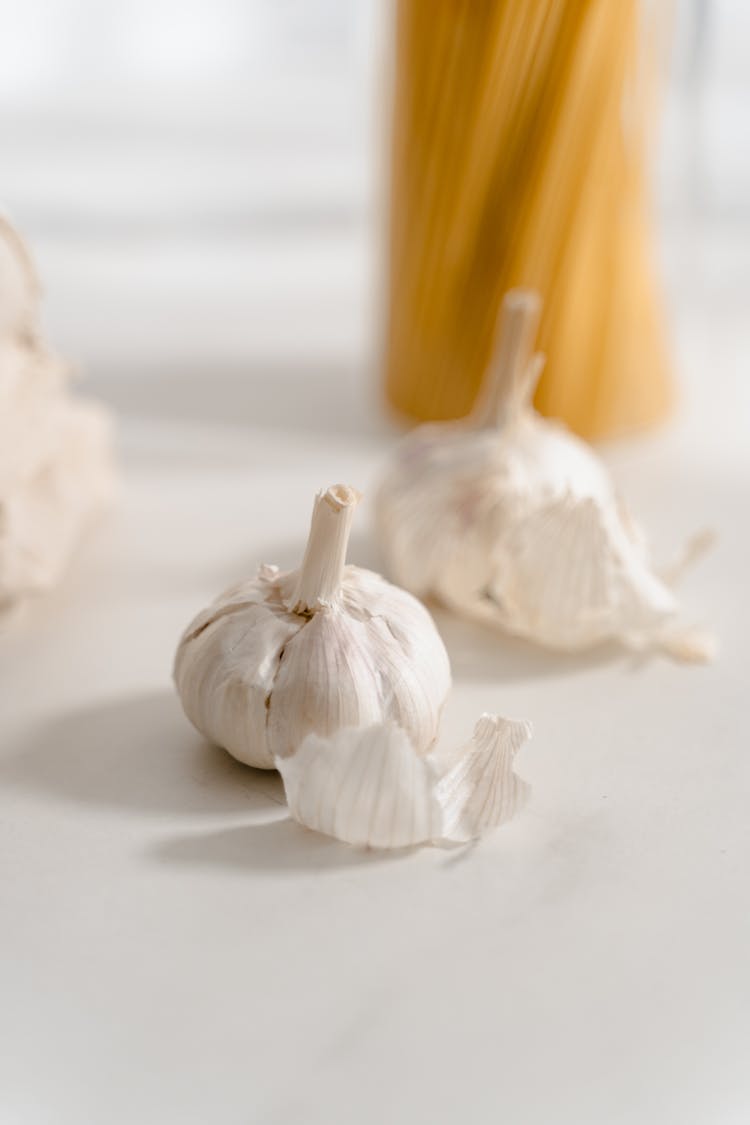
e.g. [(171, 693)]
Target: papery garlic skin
[(510, 519), (365, 787), (267, 664), (478, 787), (56, 465), (368, 787)]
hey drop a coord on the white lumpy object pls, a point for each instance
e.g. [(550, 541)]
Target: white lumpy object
[(338, 679), (364, 786), (312, 651), (56, 467), (367, 786), (509, 518)]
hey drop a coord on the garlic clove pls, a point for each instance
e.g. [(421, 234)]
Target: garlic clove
[(363, 786), (375, 654), (329, 679), (226, 665), (480, 790), (259, 590)]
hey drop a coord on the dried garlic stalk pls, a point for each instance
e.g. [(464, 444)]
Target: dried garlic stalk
[(55, 451), (337, 678), (509, 518)]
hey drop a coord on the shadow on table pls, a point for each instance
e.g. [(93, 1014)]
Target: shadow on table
[(137, 753), (140, 754), (480, 653), (272, 846)]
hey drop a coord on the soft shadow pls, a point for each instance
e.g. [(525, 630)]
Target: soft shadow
[(270, 847), (479, 653), (137, 753)]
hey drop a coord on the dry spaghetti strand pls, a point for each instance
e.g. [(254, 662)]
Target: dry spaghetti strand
[(518, 158)]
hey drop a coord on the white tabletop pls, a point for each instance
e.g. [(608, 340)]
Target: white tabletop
[(176, 950)]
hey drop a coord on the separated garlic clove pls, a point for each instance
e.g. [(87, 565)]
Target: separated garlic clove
[(337, 678), (312, 651), (508, 518)]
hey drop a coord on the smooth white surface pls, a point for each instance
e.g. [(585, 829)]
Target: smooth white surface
[(176, 950)]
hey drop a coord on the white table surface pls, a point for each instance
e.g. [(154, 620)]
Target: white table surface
[(176, 950)]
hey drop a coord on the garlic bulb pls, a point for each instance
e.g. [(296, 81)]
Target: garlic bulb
[(337, 678), (509, 518), (55, 451)]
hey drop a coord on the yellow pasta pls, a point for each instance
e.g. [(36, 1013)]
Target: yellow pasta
[(518, 155)]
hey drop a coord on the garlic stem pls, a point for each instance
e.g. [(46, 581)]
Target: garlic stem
[(506, 388), (325, 554)]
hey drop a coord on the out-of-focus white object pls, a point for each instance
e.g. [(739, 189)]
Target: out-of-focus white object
[(56, 468), (338, 679), (511, 519)]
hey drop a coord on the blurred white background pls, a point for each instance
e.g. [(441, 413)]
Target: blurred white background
[(195, 178), (201, 181)]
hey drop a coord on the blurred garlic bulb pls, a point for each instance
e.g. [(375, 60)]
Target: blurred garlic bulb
[(338, 679), (55, 451), (509, 518)]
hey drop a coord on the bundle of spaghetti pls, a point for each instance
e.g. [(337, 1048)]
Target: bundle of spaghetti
[(518, 159)]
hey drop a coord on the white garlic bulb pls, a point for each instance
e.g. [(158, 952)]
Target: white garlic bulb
[(337, 678), (55, 451), (509, 518)]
